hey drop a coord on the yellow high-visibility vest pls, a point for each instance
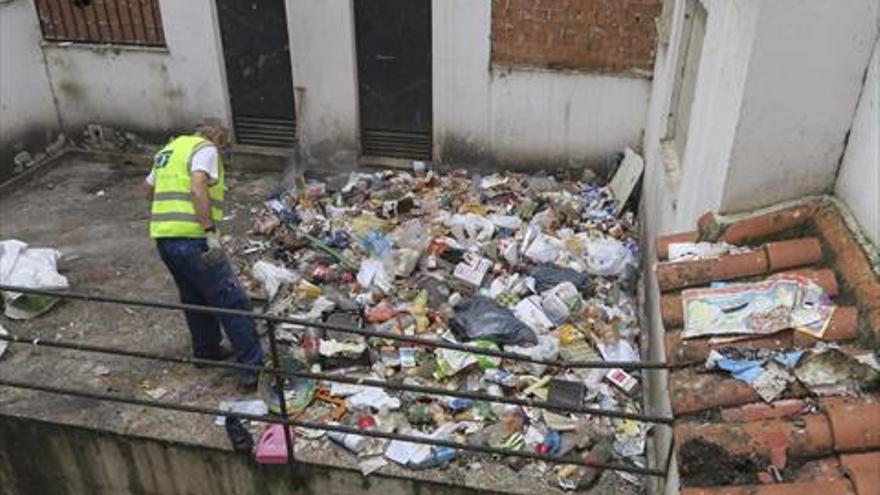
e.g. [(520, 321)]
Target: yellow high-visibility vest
[(173, 212)]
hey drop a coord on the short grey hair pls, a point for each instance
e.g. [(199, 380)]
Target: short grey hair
[(212, 129)]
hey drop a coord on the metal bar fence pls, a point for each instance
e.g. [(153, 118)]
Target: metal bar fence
[(430, 343), (279, 376)]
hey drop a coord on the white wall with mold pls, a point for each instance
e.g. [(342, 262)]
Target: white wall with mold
[(804, 80), (28, 119), (678, 189), (151, 90), (522, 117), (858, 182), (324, 65)]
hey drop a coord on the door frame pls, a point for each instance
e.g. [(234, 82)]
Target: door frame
[(224, 82), (385, 160)]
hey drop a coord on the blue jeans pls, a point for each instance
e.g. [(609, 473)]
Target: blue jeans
[(211, 285)]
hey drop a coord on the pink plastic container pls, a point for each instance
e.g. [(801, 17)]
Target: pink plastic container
[(271, 449)]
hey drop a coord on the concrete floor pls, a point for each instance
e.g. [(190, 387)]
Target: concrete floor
[(96, 215)]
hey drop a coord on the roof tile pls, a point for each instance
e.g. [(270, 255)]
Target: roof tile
[(833, 487), (864, 471)]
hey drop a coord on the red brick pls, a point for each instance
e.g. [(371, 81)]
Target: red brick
[(594, 35)]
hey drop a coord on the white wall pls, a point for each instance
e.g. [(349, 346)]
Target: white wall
[(805, 77), (28, 119), (672, 202), (858, 182), (325, 77), (145, 89), (522, 117)]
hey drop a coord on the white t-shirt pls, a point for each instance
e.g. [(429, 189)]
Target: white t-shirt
[(205, 160)]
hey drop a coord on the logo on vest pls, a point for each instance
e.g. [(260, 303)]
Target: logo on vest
[(162, 159)]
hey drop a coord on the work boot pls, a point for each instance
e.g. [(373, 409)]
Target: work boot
[(248, 383)]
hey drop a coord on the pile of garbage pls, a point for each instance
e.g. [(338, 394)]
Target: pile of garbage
[(541, 266)]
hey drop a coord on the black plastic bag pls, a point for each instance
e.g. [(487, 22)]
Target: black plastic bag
[(481, 318), (548, 276), (239, 436)]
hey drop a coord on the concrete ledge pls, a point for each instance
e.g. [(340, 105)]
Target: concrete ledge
[(72, 460)]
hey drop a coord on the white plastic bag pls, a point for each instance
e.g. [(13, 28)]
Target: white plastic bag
[(32, 268), (272, 277), (470, 229), (607, 257), (547, 350)]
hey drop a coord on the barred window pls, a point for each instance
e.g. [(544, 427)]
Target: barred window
[(120, 22)]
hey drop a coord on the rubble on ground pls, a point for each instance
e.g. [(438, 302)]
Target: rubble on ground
[(542, 266)]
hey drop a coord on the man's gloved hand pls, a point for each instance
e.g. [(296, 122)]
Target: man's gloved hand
[(215, 253)]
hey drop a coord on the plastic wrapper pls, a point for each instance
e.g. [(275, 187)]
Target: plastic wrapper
[(482, 318), (560, 302)]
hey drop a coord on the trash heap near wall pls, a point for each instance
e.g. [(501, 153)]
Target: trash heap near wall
[(539, 265)]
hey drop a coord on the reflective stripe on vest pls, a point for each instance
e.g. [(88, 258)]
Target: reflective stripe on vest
[(173, 212)]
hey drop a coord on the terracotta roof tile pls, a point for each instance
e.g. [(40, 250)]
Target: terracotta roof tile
[(864, 471), (760, 411), (680, 350), (850, 260), (748, 435), (663, 242), (808, 438), (833, 487), (783, 255), (673, 314), (774, 256), (693, 392), (758, 227), (824, 469), (855, 426)]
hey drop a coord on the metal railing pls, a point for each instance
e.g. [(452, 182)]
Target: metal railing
[(280, 375)]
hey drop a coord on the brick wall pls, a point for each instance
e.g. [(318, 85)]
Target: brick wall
[(593, 35)]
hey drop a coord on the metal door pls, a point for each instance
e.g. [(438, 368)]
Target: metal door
[(257, 55), (394, 77)]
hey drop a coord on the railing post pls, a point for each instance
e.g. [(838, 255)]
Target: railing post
[(279, 388)]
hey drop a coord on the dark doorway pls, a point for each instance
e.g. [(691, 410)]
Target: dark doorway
[(394, 77), (257, 55)]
